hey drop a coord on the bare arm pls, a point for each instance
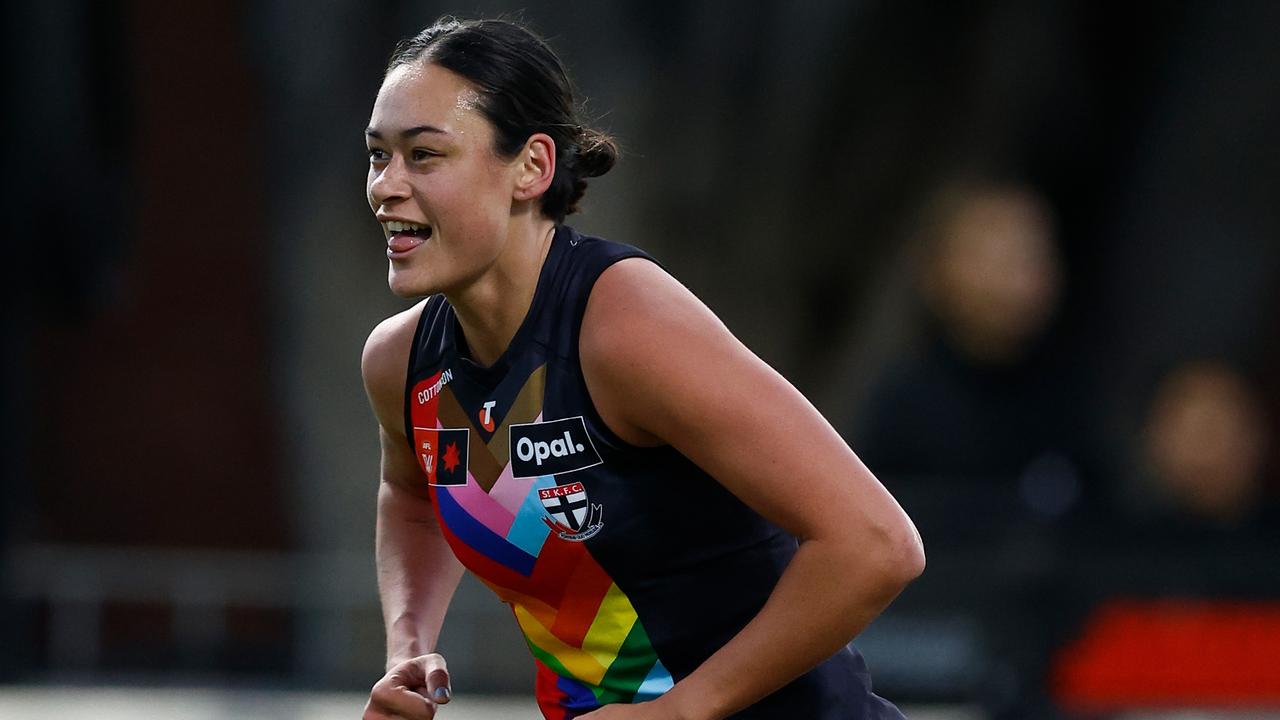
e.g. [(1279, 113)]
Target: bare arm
[(417, 572), (662, 368)]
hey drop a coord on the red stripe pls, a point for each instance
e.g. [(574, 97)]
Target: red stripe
[(557, 560), (495, 573), (551, 698), (580, 607)]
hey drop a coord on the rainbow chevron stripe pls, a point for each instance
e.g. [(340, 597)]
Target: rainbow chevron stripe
[(587, 641)]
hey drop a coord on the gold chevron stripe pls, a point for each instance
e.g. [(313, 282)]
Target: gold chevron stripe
[(525, 409), (488, 460)]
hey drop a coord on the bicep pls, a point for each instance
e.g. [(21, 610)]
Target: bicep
[(384, 366), (678, 374), (399, 466)]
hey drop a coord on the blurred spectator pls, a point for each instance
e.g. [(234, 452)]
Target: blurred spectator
[(984, 431), (1183, 581), (991, 273), (1205, 447), (1199, 519), (987, 399)]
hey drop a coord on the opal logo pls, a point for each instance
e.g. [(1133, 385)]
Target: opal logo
[(551, 448), (527, 449)]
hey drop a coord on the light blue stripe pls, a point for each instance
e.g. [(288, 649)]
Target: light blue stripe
[(528, 532), (480, 538), (656, 683)]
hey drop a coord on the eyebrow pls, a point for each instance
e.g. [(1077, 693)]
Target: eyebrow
[(408, 132)]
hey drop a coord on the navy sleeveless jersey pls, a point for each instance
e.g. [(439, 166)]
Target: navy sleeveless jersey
[(625, 567)]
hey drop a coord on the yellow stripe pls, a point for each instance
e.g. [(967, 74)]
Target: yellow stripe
[(609, 630), (579, 662)]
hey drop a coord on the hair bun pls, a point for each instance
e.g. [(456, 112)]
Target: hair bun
[(597, 153)]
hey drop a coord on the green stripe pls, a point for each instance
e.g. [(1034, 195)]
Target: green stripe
[(627, 673), (549, 660)]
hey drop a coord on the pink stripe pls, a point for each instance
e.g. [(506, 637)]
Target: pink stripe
[(510, 492), (480, 506)]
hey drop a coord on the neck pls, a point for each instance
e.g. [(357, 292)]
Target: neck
[(491, 309)]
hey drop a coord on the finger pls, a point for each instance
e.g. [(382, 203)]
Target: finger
[(379, 715), (390, 696), (414, 671), (438, 688), (411, 706), (373, 712)]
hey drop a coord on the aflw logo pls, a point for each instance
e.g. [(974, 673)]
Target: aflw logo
[(551, 448)]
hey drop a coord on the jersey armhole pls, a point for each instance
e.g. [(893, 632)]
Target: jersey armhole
[(607, 432), (413, 368)]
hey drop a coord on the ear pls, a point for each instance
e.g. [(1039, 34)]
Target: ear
[(536, 166)]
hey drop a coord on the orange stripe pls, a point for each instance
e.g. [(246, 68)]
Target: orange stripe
[(578, 611), (535, 607), (556, 561)]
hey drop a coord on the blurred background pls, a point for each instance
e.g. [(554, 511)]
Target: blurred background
[(1024, 255)]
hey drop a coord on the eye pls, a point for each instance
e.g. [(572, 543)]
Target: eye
[(421, 154), (377, 155)]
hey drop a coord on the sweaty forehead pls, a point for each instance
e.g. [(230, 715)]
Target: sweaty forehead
[(419, 94)]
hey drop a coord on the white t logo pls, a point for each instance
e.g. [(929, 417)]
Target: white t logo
[(488, 407)]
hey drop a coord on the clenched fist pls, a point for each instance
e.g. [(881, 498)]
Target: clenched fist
[(410, 690)]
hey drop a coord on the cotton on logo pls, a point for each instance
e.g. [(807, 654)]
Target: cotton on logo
[(486, 416)]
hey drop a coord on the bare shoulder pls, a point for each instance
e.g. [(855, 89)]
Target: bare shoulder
[(662, 368), (634, 303), (644, 336), (385, 363)]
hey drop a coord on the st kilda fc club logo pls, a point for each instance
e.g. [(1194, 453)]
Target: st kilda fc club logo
[(556, 448), (571, 515)]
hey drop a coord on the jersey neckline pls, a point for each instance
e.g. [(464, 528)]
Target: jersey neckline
[(495, 372)]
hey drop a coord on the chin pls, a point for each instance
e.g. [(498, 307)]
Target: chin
[(404, 285)]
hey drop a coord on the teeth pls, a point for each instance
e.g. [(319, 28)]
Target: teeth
[(397, 226)]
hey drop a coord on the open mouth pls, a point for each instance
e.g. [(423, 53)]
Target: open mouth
[(403, 237), (408, 230)]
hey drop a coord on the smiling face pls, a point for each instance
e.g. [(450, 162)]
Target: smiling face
[(443, 196)]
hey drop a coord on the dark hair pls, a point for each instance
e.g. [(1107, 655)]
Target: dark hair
[(524, 90)]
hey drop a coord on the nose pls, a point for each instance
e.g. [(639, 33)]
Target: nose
[(388, 183)]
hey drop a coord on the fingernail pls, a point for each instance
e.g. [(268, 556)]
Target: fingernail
[(441, 694)]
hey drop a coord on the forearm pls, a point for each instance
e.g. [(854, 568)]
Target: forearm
[(417, 573), (826, 596)]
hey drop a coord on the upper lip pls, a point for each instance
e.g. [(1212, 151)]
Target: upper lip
[(384, 219)]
